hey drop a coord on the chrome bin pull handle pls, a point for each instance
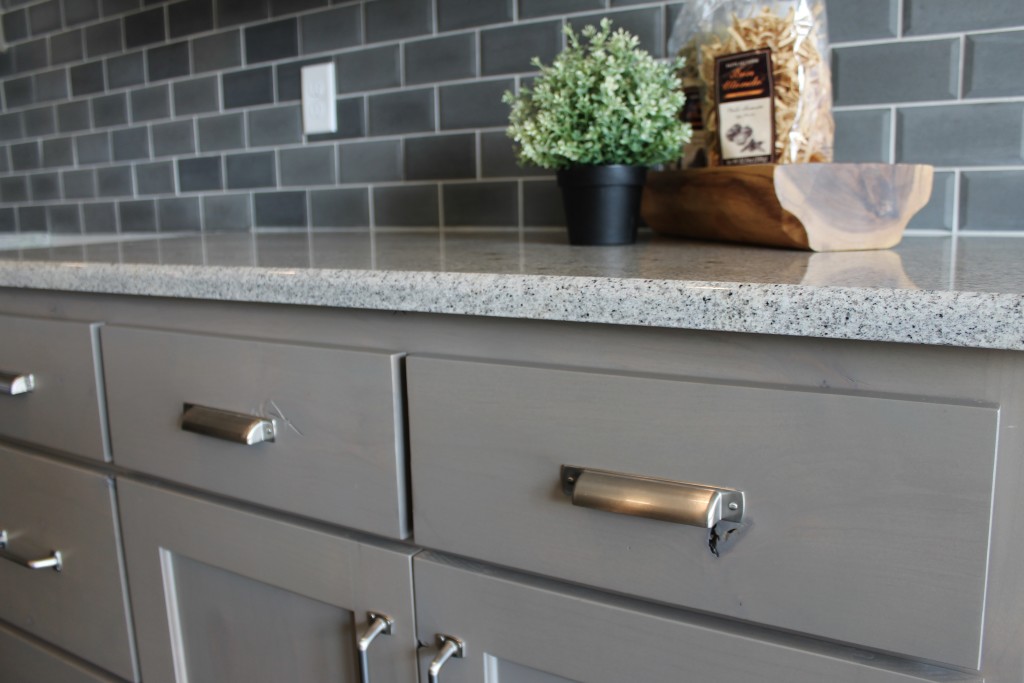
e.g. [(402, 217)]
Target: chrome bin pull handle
[(54, 561), (15, 383), (378, 624), (450, 646), (240, 428)]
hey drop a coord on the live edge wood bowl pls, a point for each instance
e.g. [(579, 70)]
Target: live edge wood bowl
[(817, 207)]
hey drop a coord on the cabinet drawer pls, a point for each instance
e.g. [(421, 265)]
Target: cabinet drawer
[(26, 660), (62, 411), (338, 454), (47, 507), (866, 517)]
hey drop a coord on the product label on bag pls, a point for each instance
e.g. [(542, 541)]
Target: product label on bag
[(746, 107)]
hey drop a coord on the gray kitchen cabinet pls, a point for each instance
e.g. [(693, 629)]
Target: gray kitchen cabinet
[(229, 595), (23, 659)]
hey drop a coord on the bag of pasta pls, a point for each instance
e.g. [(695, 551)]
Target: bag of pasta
[(762, 70)]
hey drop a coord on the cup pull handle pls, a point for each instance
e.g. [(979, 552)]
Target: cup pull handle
[(449, 646), (54, 561), (240, 428), (378, 624), (662, 499), (14, 383)]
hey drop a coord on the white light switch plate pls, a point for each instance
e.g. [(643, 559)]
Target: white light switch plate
[(319, 113)]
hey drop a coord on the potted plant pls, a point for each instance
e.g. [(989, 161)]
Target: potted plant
[(602, 113)]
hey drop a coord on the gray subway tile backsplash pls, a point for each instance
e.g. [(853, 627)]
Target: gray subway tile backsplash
[(406, 111), (144, 28), (961, 134), (218, 51), (437, 157), (167, 61), (110, 110), (26, 156), (114, 181), (151, 103), (254, 169), (927, 71), (248, 88), (87, 79), (58, 152), (947, 16), (44, 186), (645, 23), (280, 209), (455, 14), (394, 19), (111, 8), (273, 41), (196, 96), (863, 136), (137, 216), (275, 126), (509, 49), (992, 200), (64, 218), (99, 217), (369, 69), (125, 71), (307, 166), (340, 208), (51, 85), (368, 162), (474, 105), (406, 206), (938, 213), (174, 138), (218, 133), (104, 38), (993, 65), (188, 17), (67, 47), (176, 214), (39, 121), (333, 29), (862, 20), (93, 148), (440, 59), (492, 204), (542, 204), (79, 184), (498, 159), (80, 11), (73, 116), (130, 143), (44, 17), (227, 212), (200, 174)]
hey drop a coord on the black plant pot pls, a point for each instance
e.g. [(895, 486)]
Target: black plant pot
[(602, 203)]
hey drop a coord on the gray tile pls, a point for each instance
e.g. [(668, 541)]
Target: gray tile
[(307, 166), (31, 56), (80, 11), (510, 49), (645, 24), (529, 9), (39, 121), (474, 105), (406, 206), (256, 169), (863, 136), (953, 16), (87, 78), (145, 28), (19, 92), (369, 69), (280, 209), (269, 42), (51, 85), (862, 20), (393, 19), (64, 219), (130, 143), (151, 103), (482, 204), (15, 25), (440, 156), (32, 218), (137, 216), (231, 12), (993, 65), (498, 158), (5, 164), (334, 29), (13, 189), (114, 181), (367, 162), (928, 71), (167, 61), (104, 39), (289, 78), (408, 111), (219, 51), (938, 212), (249, 87), (176, 214), (79, 184), (992, 200), (125, 70), (110, 110), (196, 96), (73, 116), (218, 133), (8, 219), (188, 17), (26, 156), (275, 126), (175, 137), (99, 217), (440, 59), (44, 186), (44, 17), (58, 152), (227, 212), (454, 14), (201, 173), (6, 64), (11, 126), (961, 135), (345, 208), (351, 122), (93, 148), (279, 7), (67, 47), (155, 178), (542, 204), (114, 7)]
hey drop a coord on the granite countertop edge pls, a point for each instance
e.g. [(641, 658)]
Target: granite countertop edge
[(945, 318)]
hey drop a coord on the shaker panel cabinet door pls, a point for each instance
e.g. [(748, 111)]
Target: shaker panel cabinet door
[(23, 659), (523, 630), (231, 596)]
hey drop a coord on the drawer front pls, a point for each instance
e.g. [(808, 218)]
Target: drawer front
[(338, 454), (26, 660), (62, 411), (47, 507), (866, 518), (518, 630)]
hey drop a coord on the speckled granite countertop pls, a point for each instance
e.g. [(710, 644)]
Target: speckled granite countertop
[(964, 291)]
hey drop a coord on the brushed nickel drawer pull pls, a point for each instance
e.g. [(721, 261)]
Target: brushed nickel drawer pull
[(224, 424), (14, 383), (669, 501), (450, 646), (54, 561), (378, 624)]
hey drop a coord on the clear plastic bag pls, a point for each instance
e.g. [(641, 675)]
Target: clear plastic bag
[(709, 32)]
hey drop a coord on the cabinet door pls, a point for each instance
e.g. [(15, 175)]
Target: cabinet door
[(226, 595), (25, 659), (524, 630)]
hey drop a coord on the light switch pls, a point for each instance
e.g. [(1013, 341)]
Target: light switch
[(319, 113)]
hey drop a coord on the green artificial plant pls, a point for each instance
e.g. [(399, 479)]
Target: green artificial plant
[(603, 101)]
